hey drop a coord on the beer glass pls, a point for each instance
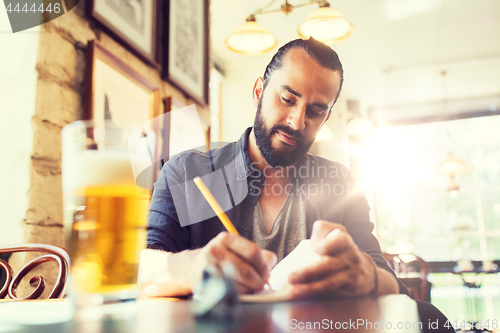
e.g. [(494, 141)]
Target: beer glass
[(104, 210)]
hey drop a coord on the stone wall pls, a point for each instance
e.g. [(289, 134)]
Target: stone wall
[(59, 101)]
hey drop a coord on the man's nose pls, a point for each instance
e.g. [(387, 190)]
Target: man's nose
[(296, 117)]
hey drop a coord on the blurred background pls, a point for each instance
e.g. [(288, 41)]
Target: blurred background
[(417, 122)]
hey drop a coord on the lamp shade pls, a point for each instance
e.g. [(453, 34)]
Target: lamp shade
[(251, 38), (452, 166), (327, 25)]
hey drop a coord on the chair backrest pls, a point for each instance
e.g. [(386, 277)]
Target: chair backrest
[(55, 253), (412, 271)]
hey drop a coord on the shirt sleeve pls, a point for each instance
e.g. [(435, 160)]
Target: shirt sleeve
[(164, 230), (372, 247)]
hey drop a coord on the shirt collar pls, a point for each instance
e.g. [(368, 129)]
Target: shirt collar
[(243, 161)]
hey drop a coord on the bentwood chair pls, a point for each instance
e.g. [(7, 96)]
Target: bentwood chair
[(412, 271), (55, 253)]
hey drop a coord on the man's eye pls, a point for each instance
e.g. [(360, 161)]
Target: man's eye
[(286, 100), (314, 114)]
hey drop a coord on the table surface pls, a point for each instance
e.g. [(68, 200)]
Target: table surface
[(383, 314)]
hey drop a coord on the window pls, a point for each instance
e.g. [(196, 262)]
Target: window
[(413, 209)]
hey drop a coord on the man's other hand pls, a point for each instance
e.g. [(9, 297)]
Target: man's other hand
[(343, 269)]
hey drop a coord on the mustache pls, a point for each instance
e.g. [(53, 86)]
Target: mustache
[(297, 135)]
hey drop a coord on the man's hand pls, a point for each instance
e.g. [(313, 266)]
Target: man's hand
[(342, 270), (174, 274), (252, 264)]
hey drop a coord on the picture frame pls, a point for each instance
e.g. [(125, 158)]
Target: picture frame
[(115, 91), (134, 23), (185, 57)]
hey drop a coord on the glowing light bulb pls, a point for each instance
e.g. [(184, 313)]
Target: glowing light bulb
[(251, 41), (322, 30), (451, 166)]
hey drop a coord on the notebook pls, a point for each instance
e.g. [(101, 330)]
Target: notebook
[(302, 256)]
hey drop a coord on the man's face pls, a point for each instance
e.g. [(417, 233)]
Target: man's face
[(297, 101)]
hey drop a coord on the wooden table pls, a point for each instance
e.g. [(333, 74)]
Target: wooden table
[(384, 314)]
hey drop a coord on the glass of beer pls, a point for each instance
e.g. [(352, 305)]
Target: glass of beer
[(104, 210)]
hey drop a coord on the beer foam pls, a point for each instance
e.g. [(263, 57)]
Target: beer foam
[(90, 168)]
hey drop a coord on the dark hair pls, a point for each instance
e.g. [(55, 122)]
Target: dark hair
[(317, 50)]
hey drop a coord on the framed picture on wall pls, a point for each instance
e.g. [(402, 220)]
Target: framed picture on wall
[(114, 91), (134, 23), (185, 38)]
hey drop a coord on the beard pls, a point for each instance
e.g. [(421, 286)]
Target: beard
[(278, 157)]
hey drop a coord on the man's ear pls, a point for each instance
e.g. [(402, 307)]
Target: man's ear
[(257, 91)]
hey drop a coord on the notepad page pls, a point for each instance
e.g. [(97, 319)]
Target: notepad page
[(302, 256)]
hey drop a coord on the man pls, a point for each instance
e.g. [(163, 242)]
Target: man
[(292, 196)]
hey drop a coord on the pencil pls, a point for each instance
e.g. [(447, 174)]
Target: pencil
[(218, 209), (215, 206)]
